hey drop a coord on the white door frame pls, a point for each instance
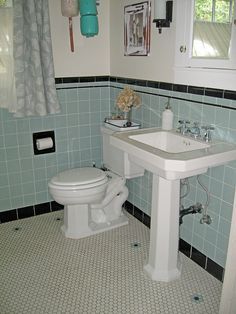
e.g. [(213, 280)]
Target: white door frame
[(228, 297)]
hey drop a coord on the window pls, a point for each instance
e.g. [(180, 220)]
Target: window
[(220, 11), (205, 52), (212, 28)]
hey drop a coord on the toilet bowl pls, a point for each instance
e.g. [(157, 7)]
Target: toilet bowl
[(93, 198), (108, 213), (78, 186)]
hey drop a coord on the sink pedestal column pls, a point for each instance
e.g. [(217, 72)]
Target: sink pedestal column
[(163, 263)]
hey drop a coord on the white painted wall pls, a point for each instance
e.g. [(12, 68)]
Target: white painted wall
[(157, 66), (91, 56), (104, 54)]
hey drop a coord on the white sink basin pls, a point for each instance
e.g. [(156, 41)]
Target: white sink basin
[(169, 142), (170, 157)]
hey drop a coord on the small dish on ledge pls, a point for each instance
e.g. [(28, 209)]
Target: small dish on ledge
[(121, 125)]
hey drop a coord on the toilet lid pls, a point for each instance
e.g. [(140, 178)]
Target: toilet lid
[(79, 176)]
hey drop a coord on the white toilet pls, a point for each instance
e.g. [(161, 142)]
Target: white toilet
[(93, 198)]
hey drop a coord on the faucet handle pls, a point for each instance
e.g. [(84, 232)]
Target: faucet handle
[(195, 130), (183, 126), (208, 129), (184, 122)]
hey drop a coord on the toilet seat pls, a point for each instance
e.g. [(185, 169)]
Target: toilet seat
[(79, 179)]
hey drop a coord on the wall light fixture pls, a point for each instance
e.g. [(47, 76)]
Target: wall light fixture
[(162, 13)]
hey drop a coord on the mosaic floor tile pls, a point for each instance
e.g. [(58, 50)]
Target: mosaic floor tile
[(41, 271)]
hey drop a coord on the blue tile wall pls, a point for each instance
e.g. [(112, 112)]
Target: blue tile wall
[(211, 240), (23, 175), (85, 103)]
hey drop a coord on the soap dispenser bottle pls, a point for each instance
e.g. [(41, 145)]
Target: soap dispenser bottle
[(167, 117)]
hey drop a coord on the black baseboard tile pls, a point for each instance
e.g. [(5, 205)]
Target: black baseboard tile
[(29, 211), (214, 269), (42, 208), (8, 216), (25, 212), (146, 220), (56, 206), (138, 214), (129, 207), (185, 247), (198, 258)]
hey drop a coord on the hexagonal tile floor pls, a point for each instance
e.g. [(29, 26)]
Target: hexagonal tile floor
[(41, 271)]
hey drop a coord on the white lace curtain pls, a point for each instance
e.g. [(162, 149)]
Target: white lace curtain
[(7, 86)]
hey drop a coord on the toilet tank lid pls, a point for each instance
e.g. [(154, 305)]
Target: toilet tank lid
[(79, 176)]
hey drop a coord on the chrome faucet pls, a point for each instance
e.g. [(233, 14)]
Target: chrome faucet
[(195, 130), (207, 135), (183, 129)]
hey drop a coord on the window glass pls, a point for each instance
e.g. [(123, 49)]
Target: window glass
[(212, 28)]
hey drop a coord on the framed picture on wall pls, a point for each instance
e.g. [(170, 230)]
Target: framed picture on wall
[(137, 27)]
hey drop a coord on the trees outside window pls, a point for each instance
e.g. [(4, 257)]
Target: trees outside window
[(220, 11)]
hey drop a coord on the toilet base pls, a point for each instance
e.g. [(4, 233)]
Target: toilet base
[(77, 224)]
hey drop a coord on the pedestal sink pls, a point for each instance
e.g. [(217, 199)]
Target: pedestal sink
[(170, 157)]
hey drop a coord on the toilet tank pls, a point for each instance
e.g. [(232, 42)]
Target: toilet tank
[(117, 160)]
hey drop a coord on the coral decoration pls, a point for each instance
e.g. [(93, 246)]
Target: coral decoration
[(128, 99)]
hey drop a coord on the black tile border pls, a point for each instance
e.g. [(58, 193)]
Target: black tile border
[(25, 212), (42, 208), (7, 216), (198, 258), (188, 89), (185, 248), (29, 211), (205, 262), (215, 270)]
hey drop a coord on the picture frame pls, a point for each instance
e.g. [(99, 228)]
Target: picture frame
[(137, 29)]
